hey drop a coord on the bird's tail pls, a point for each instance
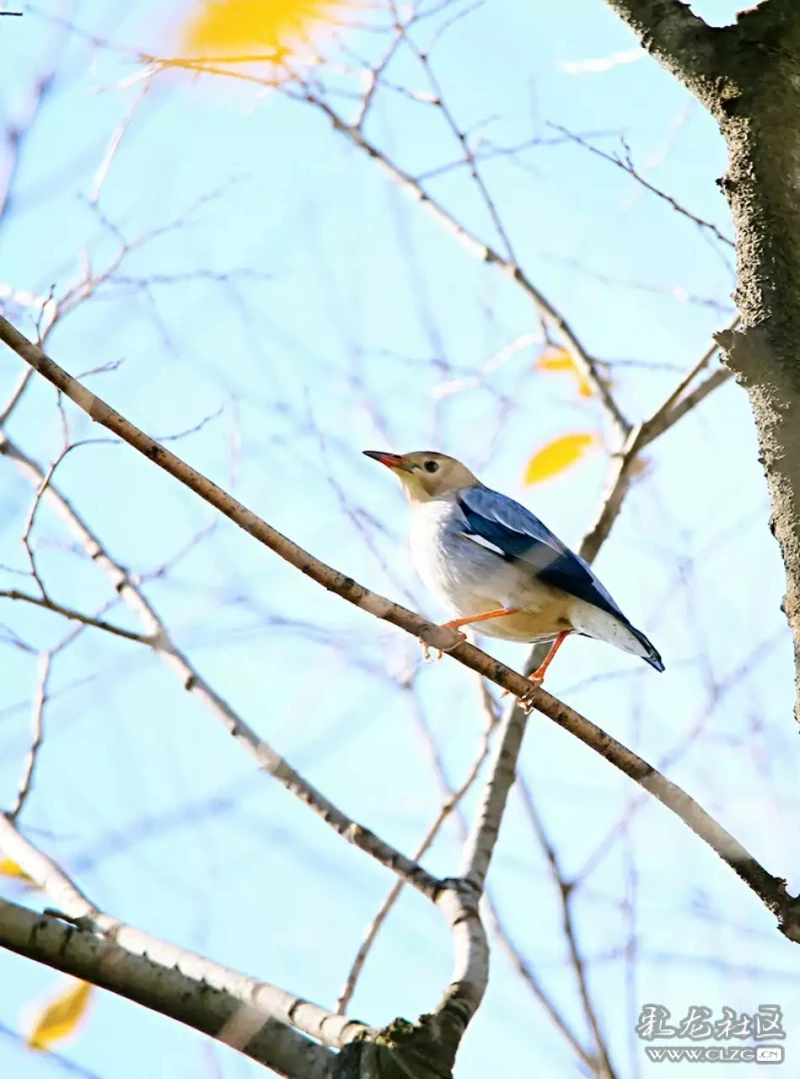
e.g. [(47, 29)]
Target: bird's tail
[(614, 629), (648, 653)]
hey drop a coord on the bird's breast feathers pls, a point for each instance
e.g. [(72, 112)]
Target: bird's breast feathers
[(469, 576)]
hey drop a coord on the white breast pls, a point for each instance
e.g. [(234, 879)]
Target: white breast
[(430, 523), (465, 575)]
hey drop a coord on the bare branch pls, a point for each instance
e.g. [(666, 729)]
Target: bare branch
[(77, 616), (666, 414), (460, 905), (583, 360), (491, 913), (687, 403), (15, 398), (677, 404), (164, 987), (771, 890), (157, 636), (480, 844), (682, 42), (37, 736), (451, 801), (565, 892), (271, 1003), (627, 166)]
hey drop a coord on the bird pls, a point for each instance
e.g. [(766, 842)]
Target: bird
[(490, 561)]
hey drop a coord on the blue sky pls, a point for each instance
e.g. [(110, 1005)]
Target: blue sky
[(295, 308)]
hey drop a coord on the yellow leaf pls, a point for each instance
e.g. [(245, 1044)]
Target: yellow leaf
[(60, 1016), (558, 359), (554, 359), (231, 27), (558, 455), (11, 869)]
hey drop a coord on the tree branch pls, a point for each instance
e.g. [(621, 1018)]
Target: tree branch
[(163, 988), (491, 912), (73, 615), (451, 799), (771, 890), (680, 40), (245, 997), (37, 736), (565, 892), (480, 843), (583, 360), (157, 636)]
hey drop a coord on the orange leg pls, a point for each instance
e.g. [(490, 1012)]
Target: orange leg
[(456, 623), (538, 675)]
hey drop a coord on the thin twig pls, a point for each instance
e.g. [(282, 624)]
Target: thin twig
[(627, 166), (491, 912), (689, 401), (450, 802), (770, 889), (37, 736), (676, 405), (584, 361), (678, 402), (529, 977), (440, 103), (193, 682), (78, 616), (565, 892), (16, 397)]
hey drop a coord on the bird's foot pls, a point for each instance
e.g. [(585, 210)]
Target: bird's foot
[(526, 700), (426, 652), (426, 648)]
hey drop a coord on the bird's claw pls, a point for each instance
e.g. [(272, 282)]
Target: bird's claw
[(426, 652), (426, 648), (526, 700)]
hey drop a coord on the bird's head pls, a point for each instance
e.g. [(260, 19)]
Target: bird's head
[(425, 474)]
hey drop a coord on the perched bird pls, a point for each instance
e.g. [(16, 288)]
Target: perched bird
[(490, 561)]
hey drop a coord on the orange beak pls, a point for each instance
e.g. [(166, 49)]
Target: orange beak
[(391, 460)]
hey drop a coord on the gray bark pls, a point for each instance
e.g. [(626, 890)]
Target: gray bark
[(748, 76), (168, 990)]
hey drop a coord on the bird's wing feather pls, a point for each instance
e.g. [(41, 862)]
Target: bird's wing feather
[(499, 522)]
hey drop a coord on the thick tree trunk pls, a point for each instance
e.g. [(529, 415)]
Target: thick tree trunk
[(760, 119), (748, 76)]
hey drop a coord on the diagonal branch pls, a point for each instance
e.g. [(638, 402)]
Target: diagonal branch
[(680, 40), (267, 1002), (163, 988), (678, 403), (75, 616), (491, 912), (481, 841), (628, 167), (583, 360), (157, 636), (770, 889), (451, 798)]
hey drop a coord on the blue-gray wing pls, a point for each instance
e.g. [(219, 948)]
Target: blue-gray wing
[(518, 536)]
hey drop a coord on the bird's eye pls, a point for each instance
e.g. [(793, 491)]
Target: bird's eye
[(431, 466)]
